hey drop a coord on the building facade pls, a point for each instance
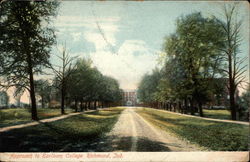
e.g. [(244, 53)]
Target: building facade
[(129, 98)]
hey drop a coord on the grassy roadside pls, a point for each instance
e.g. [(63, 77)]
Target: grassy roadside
[(216, 136), (76, 133), (14, 116), (217, 114)]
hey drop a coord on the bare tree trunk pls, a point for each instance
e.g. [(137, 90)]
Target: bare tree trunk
[(81, 105), (191, 106), (180, 107), (32, 91), (200, 109), (31, 79), (85, 105), (33, 100), (185, 106), (42, 102), (95, 105), (76, 105), (89, 104), (231, 89), (232, 105), (62, 100)]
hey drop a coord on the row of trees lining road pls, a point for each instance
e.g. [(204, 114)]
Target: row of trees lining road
[(88, 85), (202, 63), (84, 87), (26, 40)]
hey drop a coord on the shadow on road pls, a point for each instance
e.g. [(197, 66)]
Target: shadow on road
[(125, 144)]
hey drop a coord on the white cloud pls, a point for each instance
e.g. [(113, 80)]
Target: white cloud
[(76, 36), (126, 67), (99, 40), (101, 36), (130, 46), (97, 30), (133, 60), (96, 39)]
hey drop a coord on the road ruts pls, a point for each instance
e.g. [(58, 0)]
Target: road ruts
[(134, 133)]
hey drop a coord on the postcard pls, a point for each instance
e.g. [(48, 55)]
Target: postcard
[(124, 80)]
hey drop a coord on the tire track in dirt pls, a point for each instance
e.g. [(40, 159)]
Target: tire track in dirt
[(133, 133)]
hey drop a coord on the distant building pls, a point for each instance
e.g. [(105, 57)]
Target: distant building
[(4, 99), (129, 97), (54, 104)]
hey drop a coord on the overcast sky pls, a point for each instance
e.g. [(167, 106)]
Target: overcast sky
[(130, 35)]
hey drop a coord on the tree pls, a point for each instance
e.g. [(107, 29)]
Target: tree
[(194, 49), (25, 43), (148, 87), (63, 73), (43, 89), (109, 91), (89, 85), (80, 81), (95, 86), (174, 80), (235, 69)]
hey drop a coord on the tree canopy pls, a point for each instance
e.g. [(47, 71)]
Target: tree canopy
[(193, 60), (25, 42), (87, 84)]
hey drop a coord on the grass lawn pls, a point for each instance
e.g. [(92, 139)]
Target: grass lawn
[(217, 114), (76, 133), (216, 136), (15, 116)]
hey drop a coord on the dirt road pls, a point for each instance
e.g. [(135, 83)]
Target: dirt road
[(133, 133)]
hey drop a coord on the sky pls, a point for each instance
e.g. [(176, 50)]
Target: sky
[(124, 39)]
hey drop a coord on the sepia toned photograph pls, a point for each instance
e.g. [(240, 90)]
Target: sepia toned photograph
[(124, 80)]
